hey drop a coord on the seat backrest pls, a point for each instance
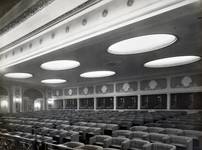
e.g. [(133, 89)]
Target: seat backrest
[(180, 139), (139, 128), (81, 123), (112, 126), (122, 133), (118, 140), (73, 144), (156, 129), (91, 124), (193, 133), (101, 138), (139, 135), (161, 146), (173, 131), (137, 143), (158, 137), (90, 147)]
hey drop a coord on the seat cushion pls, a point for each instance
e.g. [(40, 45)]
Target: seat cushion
[(116, 146)]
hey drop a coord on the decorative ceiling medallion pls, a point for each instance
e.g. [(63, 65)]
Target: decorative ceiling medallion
[(130, 3), (104, 89), (186, 81), (84, 22), (70, 92), (105, 13), (126, 87), (85, 90), (153, 84)]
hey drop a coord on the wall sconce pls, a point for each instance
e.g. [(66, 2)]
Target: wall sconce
[(18, 100), (50, 101), (4, 104)]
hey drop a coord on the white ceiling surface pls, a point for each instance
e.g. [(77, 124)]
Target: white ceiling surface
[(47, 14), (183, 22), (97, 25)]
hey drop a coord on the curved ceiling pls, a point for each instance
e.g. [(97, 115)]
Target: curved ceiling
[(93, 55), (184, 22)]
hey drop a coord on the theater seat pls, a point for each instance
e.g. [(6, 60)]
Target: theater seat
[(99, 140), (70, 136), (182, 142), (173, 131), (135, 144), (81, 123), (196, 136), (63, 126), (102, 126), (139, 135), (117, 142), (159, 146), (157, 137), (155, 130), (139, 128), (89, 147), (122, 133), (110, 128), (109, 149), (72, 145), (91, 124)]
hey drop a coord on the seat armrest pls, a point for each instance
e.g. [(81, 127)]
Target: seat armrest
[(145, 137), (92, 140), (166, 139), (125, 145), (107, 142), (147, 146)]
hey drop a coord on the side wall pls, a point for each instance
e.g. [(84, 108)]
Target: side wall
[(182, 83)]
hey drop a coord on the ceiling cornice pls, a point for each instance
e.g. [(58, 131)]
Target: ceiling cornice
[(33, 10), (30, 11)]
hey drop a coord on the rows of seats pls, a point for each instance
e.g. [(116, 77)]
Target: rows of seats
[(187, 122), (53, 129), (114, 117), (124, 143), (139, 136)]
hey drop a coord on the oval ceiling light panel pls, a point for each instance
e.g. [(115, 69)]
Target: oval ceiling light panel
[(53, 81), (97, 74), (18, 75), (60, 65), (172, 61), (142, 44)]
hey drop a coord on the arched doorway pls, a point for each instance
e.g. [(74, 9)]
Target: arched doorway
[(32, 100), (4, 101)]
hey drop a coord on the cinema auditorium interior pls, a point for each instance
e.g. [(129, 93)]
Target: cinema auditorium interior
[(100, 75)]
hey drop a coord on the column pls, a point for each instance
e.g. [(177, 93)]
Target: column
[(63, 106), (114, 102), (95, 103), (138, 102), (168, 101), (77, 103)]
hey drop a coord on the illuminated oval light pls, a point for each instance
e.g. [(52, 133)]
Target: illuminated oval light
[(53, 81), (172, 61), (97, 74), (60, 65), (18, 75), (142, 44)]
